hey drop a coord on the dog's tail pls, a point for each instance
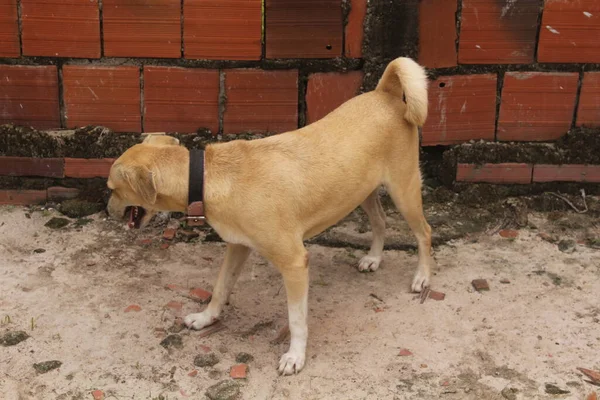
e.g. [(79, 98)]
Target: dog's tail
[(406, 79)]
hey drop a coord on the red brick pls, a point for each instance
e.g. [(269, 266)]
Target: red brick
[(180, 99), (28, 166), (88, 168), (438, 296), (169, 234), (303, 28), (239, 371), (22, 197), (480, 285), (509, 233), (98, 395), (29, 96), (354, 32), (133, 308), (223, 29), (200, 294), (462, 107), (592, 396), (495, 173), (588, 112), (59, 193), (570, 32), (107, 96), (175, 305), (175, 288), (193, 373), (261, 101), (437, 33), (566, 173), (536, 105), (405, 353), (149, 28), (164, 246), (9, 29), (327, 91), (66, 28), (205, 348), (594, 376), (498, 32)]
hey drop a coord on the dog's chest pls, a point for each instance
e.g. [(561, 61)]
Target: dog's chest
[(230, 234)]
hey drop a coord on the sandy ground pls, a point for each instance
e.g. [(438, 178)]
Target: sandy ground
[(507, 343)]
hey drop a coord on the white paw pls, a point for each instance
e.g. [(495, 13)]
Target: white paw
[(291, 363), (420, 281), (199, 320), (369, 263)]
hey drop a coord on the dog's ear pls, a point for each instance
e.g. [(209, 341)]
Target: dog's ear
[(142, 181)]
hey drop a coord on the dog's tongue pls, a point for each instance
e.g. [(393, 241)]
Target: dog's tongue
[(132, 214)]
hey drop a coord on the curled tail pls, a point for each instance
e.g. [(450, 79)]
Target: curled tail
[(406, 79)]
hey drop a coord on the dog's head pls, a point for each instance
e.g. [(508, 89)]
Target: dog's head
[(133, 182)]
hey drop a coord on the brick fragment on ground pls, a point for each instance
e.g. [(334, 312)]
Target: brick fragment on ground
[(133, 308), (239, 371), (480, 285), (200, 295), (405, 353), (98, 395), (164, 246), (593, 375), (169, 233), (439, 296), (193, 373), (547, 237), (592, 396), (174, 305), (174, 287), (509, 233), (205, 349)]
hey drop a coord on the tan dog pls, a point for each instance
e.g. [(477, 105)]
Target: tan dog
[(271, 194)]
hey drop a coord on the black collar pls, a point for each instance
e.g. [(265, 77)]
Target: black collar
[(196, 189)]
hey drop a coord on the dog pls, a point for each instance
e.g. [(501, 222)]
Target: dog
[(271, 194)]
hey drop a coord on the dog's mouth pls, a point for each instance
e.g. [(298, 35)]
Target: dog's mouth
[(135, 216)]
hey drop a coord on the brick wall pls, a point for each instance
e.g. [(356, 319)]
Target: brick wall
[(502, 71)]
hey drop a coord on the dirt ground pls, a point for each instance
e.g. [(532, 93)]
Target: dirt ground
[(68, 289)]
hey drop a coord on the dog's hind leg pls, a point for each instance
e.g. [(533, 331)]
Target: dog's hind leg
[(372, 207), (235, 256), (291, 259), (406, 193)]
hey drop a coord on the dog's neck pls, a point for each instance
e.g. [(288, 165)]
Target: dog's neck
[(173, 193)]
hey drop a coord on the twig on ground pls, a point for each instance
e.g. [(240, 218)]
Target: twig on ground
[(563, 198)]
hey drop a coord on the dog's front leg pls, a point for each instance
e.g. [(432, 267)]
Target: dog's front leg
[(295, 278), (235, 255)]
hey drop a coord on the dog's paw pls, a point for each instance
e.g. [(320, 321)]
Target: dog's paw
[(291, 363), (369, 263), (198, 321), (420, 281)]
